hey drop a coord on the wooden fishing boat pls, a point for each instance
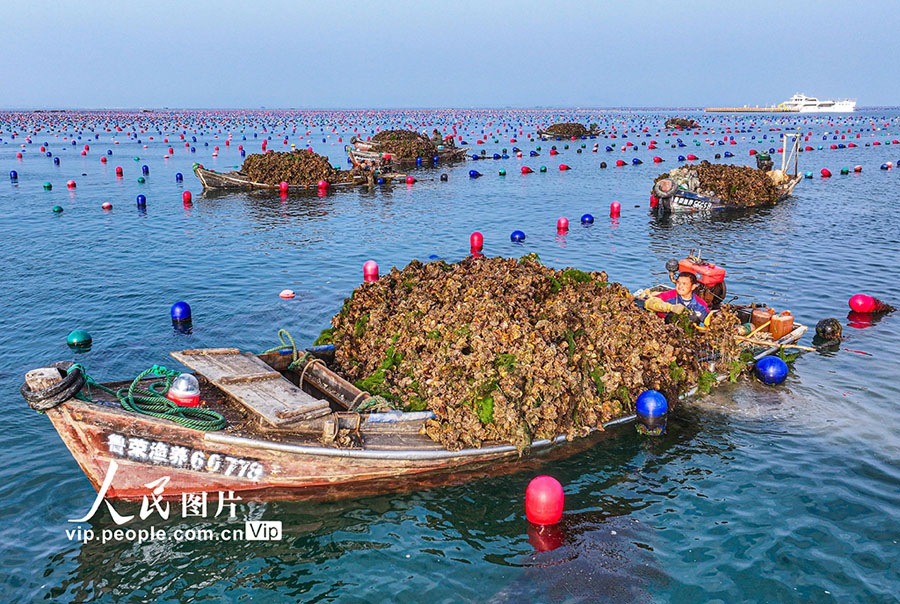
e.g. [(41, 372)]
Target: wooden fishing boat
[(369, 152), (550, 135), (677, 199), (292, 431), (210, 179)]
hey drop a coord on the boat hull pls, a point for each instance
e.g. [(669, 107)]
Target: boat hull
[(146, 449)]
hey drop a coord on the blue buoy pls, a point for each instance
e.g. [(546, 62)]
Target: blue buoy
[(141, 200), (179, 177), (587, 219), (13, 175), (418, 161), (109, 151), (651, 409), (517, 236), (474, 173), (636, 162), (608, 148), (729, 154), (380, 180), (56, 160), (435, 159), (181, 312), (885, 167), (496, 156), (532, 153), (681, 158), (771, 370), (49, 154), (444, 178), (145, 169)]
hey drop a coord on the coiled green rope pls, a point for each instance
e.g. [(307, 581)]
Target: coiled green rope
[(152, 401)]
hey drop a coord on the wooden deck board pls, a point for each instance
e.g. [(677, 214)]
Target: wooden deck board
[(276, 400)]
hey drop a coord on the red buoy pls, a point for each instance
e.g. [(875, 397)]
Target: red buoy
[(654, 200), (620, 163), (118, 170), (692, 157), (563, 167), (657, 159), (323, 184), (544, 499), (562, 224), (526, 170), (370, 270), (857, 168), (410, 180), (71, 184), (186, 197), (476, 241), (553, 152), (614, 209), (103, 159), (282, 186), (106, 205), (825, 172), (753, 151)]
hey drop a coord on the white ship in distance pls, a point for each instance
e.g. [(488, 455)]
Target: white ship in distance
[(808, 104)]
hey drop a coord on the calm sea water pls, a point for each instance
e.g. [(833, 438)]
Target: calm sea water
[(756, 494)]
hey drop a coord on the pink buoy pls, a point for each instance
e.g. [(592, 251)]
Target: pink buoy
[(691, 157), (620, 163), (286, 294), (186, 197), (553, 152), (857, 168), (282, 186), (825, 172), (861, 303), (544, 499), (410, 180), (563, 167), (71, 184), (106, 205), (614, 208), (103, 159), (753, 151), (323, 184), (476, 241), (654, 200), (370, 271), (562, 224), (526, 170)]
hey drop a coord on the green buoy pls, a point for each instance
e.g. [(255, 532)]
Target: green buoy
[(136, 158), (47, 186), (57, 209), (543, 168), (141, 179), (79, 339), (502, 172)]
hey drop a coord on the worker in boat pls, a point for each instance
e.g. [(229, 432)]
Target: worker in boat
[(680, 300), (436, 137)]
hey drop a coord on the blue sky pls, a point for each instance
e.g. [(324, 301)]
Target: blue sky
[(300, 54)]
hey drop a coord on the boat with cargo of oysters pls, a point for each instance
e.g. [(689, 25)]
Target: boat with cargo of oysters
[(280, 425)]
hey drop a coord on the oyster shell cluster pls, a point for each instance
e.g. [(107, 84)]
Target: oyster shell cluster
[(299, 167), (568, 129), (405, 144), (511, 350)]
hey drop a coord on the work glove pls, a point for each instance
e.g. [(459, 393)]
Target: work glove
[(657, 305), (677, 308)]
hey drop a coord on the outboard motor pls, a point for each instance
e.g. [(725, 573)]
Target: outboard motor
[(711, 278)]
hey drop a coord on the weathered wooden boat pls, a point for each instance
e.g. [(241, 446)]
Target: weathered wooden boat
[(292, 430), (551, 135), (674, 199), (210, 179), (369, 152)]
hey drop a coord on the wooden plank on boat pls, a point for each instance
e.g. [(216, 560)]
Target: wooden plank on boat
[(253, 384)]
